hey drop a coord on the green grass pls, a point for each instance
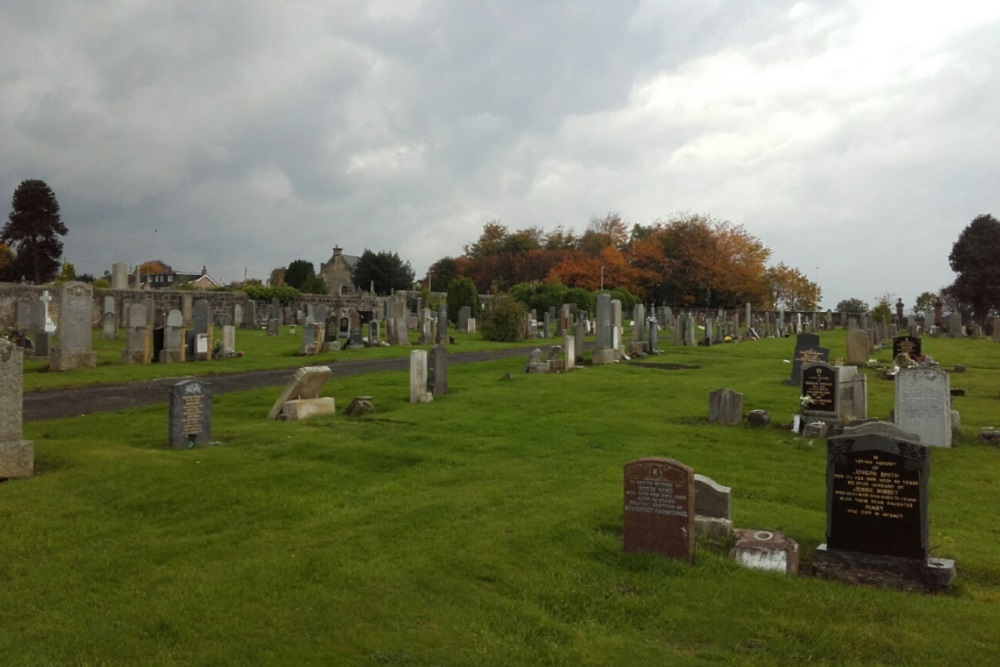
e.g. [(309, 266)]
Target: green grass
[(260, 352), (481, 529)]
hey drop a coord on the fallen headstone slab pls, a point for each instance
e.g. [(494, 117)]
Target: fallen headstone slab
[(765, 550), (301, 395)]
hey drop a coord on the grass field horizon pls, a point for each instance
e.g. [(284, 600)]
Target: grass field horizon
[(484, 528)]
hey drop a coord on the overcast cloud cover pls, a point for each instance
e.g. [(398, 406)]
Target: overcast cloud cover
[(855, 139)]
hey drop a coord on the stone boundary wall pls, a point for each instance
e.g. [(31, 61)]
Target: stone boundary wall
[(221, 302)]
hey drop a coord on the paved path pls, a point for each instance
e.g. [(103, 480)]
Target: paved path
[(60, 403)]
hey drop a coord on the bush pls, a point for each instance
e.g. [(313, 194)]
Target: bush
[(583, 299), (284, 294), (504, 322), (101, 283), (462, 292), (539, 296), (628, 300)]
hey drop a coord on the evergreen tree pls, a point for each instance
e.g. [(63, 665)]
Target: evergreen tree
[(32, 231)]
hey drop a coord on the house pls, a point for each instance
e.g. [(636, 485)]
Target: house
[(337, 273), (174, 280)]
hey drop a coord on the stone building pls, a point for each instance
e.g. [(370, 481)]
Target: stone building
[(337, 273)]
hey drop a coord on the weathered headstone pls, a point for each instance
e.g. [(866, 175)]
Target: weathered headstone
[(139, 343), (713, 507), (109, 320), (190, 409), (923, 404), (228, 339), (119, 276), (955, 328), (766, 550), (569, 360), (604, 352), (877, 530), (418, 378), (17, 456), (725, 406), (464, 313), (857, 347), (173, 338), (659, 503), (300, 398), (75, 319), (437, 372)]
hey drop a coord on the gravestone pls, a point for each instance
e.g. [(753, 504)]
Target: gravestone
[(139, 343), (173, 338), (464, 313), (579, 334), (995, 332), (807, 351), (418, 378), (569, 360), (955, 329), (441, 332), (713, 507), (819, 385), (877, 529), (75, 317), (228, 340), (374, 337), (604, 352), (119, 276), (852, 399), (17, 456), (300, 398), (857, 347), (659, 501), (725, 406), (249, 320), (109, 321), (767, 550), (923, 404), (190, 409), (909, 345), (437, 373)]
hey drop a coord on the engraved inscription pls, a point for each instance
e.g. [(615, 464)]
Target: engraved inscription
[(875, 488), (656, 496), (192, 414)]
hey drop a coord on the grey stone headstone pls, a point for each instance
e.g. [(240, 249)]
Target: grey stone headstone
[(190, 409), (923, 404), (17, 456), (200, 319), (437, 374), (712, 499), (725, 406), (418, 378), (857, 347), (75, 320), (119, 276), (604, 321)]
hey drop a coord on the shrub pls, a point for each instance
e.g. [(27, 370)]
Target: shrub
[(504, 321), (539, 296), (583, 299), (462, 292)]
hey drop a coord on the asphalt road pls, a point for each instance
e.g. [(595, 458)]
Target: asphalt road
[(61, 403)]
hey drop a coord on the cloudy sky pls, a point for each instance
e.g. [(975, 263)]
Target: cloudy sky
[(855, 139)]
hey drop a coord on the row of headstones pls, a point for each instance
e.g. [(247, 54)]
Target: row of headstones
[(876, 506)]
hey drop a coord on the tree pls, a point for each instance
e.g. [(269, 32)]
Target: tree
[(462, 292), (790, 289), (852, 306), (32, 231), (884, 307), (67, 272), (298, 272), (975, 257), (314, 285), (383, 269), (155, 267), (504, 321), (924, 305), (446, 269), (6, 264), (277, 278)]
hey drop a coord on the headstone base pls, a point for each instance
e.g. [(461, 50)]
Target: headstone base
[(714, 528), (605, 356), (134, 357), (68, 361), (171, 356), (909, 574), (765, 550), (304, 408), (17, 459)]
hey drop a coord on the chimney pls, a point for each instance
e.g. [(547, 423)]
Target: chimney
[(337, 252)]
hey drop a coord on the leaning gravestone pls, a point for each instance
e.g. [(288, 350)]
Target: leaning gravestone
[(876, 527), (75, 318), (923, 404), (190, 409), (807, 351), (659, 508), (17, 456), (300, 398), (713, 507), (725, 406)]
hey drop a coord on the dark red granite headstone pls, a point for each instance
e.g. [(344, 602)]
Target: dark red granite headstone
[(659, 507)]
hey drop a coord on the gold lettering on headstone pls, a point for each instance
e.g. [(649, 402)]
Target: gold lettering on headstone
[(192, 414), (876, 489)]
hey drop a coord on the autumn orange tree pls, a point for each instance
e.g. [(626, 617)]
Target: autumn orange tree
[(155, 266), (788, 288)]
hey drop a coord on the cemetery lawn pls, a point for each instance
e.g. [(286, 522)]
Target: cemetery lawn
[(260, 352), (484, 528)]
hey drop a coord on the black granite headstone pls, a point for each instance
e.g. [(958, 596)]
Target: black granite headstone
[(819, 383), (877, 495), (909, 345), (190, 414)]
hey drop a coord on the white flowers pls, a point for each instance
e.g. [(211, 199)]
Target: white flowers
[(806, 401)]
